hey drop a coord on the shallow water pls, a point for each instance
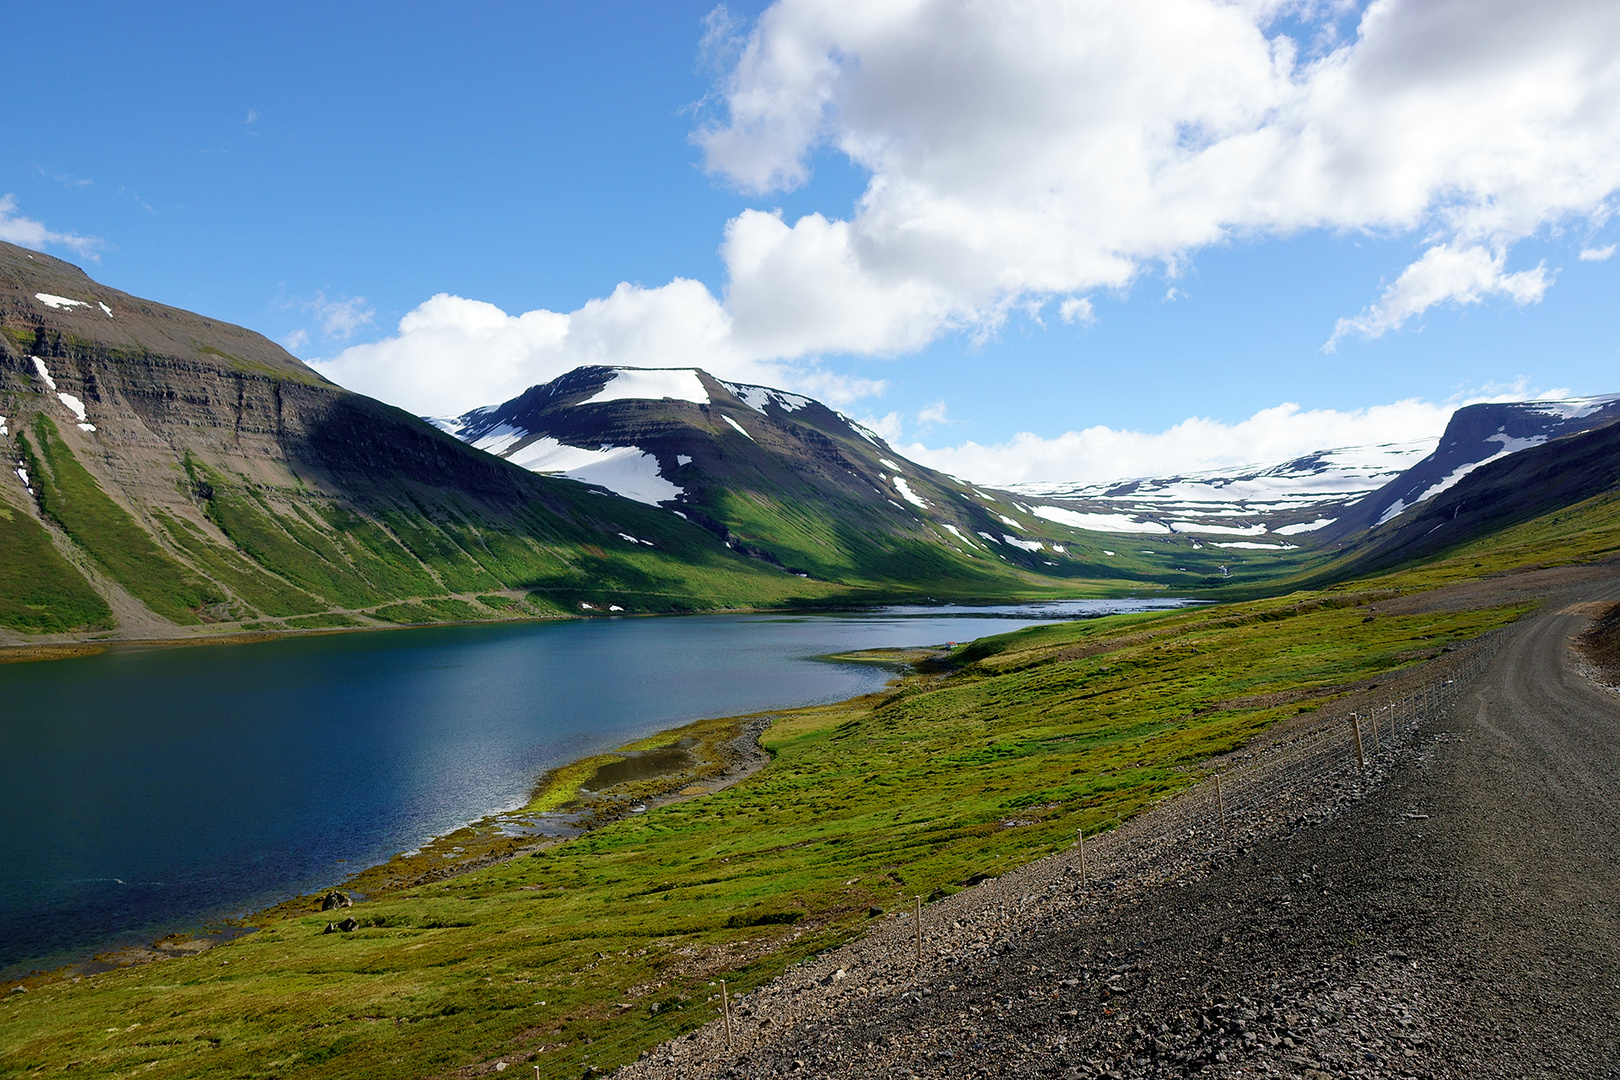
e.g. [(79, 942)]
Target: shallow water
[(149, 790)]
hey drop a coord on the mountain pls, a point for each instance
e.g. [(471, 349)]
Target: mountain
[(1290, 499), (1475, 436), (1465, 503), (1326, 499), (173, 474), (790, 481)]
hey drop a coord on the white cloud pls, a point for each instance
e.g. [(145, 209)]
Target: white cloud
[(451, 354), (296, 340), (1033, 151), (1099, 454), (339, 319), (1597, 254), (933, 414), (1078, 309), (1043, 148), (1444, 273), (16, 229)]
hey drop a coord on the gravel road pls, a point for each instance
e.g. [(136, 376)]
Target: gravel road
[(1459, 919)]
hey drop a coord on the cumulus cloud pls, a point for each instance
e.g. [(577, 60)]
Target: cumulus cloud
[(451, 354), (1039, 148), (1444, 273), (28, 233), (1032, 152), (1273, 435), (1597, 254)]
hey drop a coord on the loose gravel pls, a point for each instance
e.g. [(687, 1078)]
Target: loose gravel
[(1453, 911)]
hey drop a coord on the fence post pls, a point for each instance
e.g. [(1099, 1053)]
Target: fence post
[(919, 930), (1080, 845), (725, 1010), (1220, 805), (1355, 727)]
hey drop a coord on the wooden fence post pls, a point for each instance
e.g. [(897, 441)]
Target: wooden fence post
[(919, 930), (1220, 804), (1080, 845), (1355, 728), (725, 1010)]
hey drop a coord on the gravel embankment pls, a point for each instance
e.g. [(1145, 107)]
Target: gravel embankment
[(1452, 912)]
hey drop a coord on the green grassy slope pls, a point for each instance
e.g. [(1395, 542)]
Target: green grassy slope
[(40, 591), (72, 498), (867, 802)]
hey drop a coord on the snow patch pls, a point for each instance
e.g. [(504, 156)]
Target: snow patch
[(988, 537), (3, 430), (907, 494), (74, 405), (44, 372), (1395, 508), (864, 433), (757, 397), (623, 470), (952, 529), (633, 540), (87, 427), (22, 474), (615, 607), (1107, 552), (498, 440), (1575, 408), (105, 308), (1228, 530), (683, 459), (58, 302), (652, 384), (738, 426), (1510, 445), (1247, 545), (1025, 545), (890, 464), (1005, 520), (1304, 527), (1117, 523)]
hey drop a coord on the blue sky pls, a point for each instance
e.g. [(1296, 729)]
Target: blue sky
[(319, 172)]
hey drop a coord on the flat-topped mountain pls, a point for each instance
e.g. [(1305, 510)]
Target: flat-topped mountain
[(165, 471)]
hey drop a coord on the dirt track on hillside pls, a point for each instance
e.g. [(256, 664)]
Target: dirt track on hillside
[(1460, 919)]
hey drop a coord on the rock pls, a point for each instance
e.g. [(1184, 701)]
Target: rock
[(349, 925), (335, 899)]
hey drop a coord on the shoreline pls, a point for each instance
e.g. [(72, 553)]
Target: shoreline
[(719, 753), (67, 646)]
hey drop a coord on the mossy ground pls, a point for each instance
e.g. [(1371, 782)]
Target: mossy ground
[(596, 948)]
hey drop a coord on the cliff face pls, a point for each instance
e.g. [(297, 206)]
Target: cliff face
[(167, 470)]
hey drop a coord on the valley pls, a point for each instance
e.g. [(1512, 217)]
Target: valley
[(586, 953), (178, 480)]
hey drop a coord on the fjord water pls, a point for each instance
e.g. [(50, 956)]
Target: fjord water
[(149, 790)]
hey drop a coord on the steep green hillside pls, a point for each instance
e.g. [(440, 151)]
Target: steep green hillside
[(185, 476)]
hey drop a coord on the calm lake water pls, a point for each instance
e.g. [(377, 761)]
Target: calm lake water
[(150, 790)]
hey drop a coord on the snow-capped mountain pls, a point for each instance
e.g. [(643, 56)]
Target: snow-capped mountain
[(1327, 495), (774, 474), (1475, 436), (1291, 499)]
